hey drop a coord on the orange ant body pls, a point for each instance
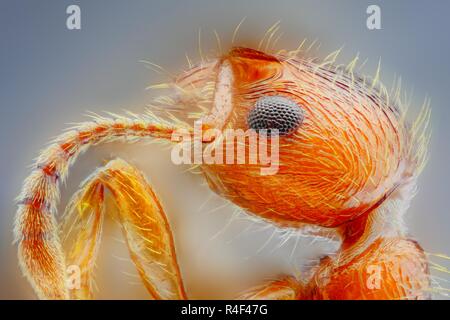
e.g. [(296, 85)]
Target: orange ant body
[(349, 162)]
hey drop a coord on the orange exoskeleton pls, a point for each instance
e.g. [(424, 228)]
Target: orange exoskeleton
[(348, 161)]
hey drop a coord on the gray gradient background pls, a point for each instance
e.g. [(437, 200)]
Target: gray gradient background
[(50, 76)]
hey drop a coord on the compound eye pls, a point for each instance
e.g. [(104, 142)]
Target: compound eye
[(276, 112)]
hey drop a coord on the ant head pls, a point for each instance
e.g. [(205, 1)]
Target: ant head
[(341, 146)]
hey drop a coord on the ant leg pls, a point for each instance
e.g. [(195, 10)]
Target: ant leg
[(286, 288), (84, 218), (144, 224)]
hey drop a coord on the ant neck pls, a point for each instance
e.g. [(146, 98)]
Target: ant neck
[(385, 219)]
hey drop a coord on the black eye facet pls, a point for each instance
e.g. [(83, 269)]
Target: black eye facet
[(276, 112)]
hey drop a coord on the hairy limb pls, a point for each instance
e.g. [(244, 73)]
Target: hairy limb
[(144, 224), (286, 288), (40, 254), (84, 218)]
